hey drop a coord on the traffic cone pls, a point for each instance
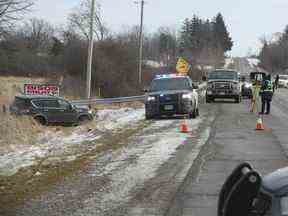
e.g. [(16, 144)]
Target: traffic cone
[(259, 124), (184, 127)]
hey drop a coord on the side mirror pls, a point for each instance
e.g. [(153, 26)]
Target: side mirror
[(71, 107), (146, 89)]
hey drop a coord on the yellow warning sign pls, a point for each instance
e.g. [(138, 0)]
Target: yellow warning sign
[(182, 66)]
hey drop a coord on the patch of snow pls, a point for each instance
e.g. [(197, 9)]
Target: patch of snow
[(51, 142), (228, 62), (253, 62), (153, 64), (148, 152)]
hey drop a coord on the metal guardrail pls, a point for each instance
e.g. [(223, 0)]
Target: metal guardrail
[(109, 100), (140, 98)]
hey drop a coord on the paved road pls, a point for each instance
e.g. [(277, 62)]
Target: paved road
[(234, 140)]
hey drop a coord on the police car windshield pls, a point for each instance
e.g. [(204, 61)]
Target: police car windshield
[(230, 75), (170, 84)]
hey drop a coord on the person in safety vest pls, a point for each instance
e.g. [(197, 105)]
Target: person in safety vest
[(266, 93)]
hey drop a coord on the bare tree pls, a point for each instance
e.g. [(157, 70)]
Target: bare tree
[(12, 11), (79, 20), (38, 34)]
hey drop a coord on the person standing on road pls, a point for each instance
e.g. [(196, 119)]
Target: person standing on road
[(276, 83), (266, 93)]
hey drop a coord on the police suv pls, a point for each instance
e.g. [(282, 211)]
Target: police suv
[(170, 95)]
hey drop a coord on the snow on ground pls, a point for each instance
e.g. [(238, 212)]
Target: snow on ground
[(253, 62), (148, 152), (59, 143), (228, 62)]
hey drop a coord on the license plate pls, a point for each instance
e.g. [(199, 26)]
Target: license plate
[(168, 107), (222, 93)]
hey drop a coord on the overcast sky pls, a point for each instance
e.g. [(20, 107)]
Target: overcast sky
[(247, 20)]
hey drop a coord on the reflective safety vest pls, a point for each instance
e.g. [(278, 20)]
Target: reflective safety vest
[(267, 86)]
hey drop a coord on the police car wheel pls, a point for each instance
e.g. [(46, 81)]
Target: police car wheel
[(148, 116), (193, 114), (208, 100)]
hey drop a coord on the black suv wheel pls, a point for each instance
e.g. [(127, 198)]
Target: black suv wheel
[(41, 120), (148, 116)]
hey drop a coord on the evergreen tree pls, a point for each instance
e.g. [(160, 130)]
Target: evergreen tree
[(185, 35), (221, 33)]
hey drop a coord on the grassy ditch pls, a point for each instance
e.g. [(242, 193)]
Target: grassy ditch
[(17, 131), (33, 181)]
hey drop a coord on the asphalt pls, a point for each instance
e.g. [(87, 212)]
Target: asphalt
[(234, 140)]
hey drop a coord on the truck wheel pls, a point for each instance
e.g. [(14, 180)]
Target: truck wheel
[(193, 114), (238, 99), (41, 120), (148, 116), (197, 112)]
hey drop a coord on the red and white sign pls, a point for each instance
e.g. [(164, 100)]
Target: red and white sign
[(41, 89)]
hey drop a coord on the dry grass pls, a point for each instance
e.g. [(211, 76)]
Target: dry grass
[(11, 86), (17, 131)]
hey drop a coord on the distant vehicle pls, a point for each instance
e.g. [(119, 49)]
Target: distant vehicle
[(49, 109), (246, 87), (283, 81), (170, 95), (223, 83), (257, 76)]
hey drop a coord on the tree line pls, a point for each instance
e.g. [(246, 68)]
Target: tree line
[(205, 42), (274, 54), (35, 47)]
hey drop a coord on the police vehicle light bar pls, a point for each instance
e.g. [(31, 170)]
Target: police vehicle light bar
[(168, 75)]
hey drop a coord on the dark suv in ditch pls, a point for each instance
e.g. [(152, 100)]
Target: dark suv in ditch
[(50, 109), (170, 95)]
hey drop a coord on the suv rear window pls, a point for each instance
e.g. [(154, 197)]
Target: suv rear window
[(22, 103), (171, 84)]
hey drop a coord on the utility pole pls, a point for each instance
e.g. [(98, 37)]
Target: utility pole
[(90, 51), (141, 43)]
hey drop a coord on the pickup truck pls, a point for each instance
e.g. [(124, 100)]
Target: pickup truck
[(223, 83)]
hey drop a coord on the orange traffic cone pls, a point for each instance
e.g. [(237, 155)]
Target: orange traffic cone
[(259, 124), (184, 127)]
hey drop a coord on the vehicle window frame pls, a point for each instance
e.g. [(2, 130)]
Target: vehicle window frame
[(22, 103), (235, 75), (68, 104), (186, 79), (46, 107), (34, 104)]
